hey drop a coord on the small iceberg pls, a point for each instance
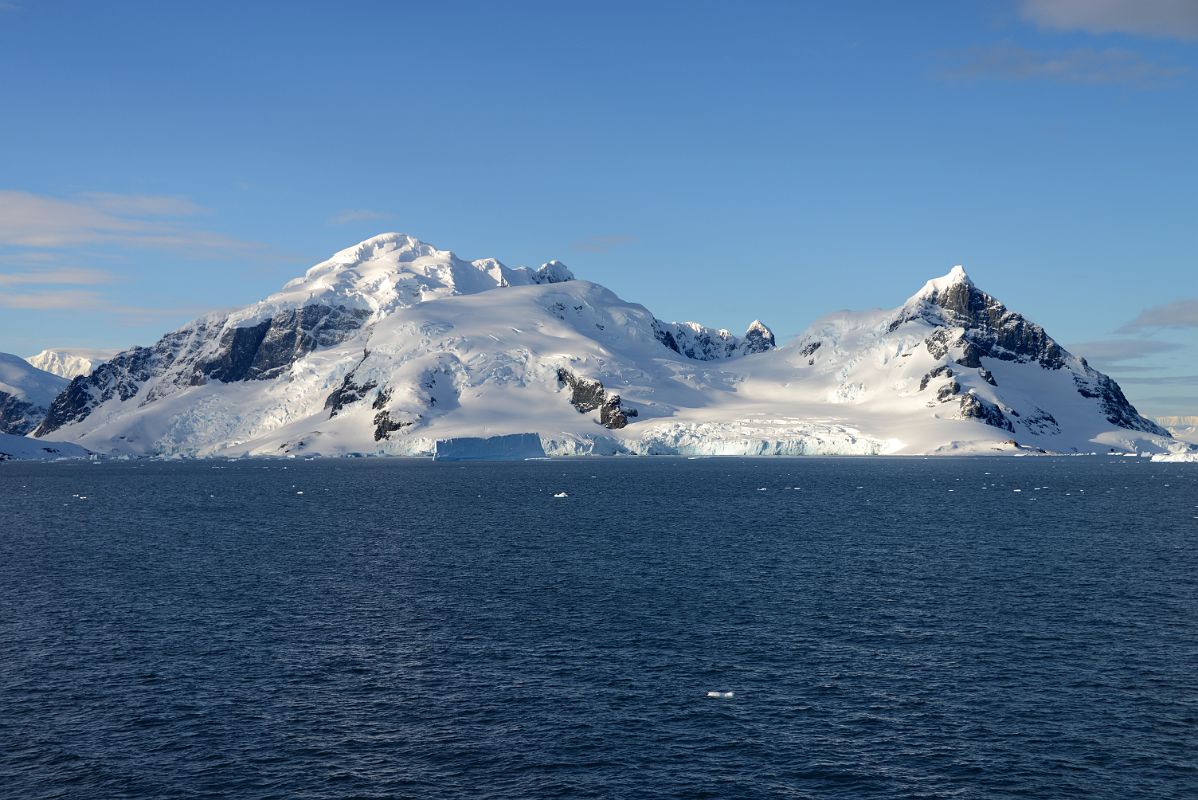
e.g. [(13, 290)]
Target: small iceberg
[(509, 447), (721, 695), (561, 494)]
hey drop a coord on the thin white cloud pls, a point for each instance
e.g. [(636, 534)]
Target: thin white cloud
[(63, 275), (349, 215), (1113, 351), (1174, 19), (1178, 314), (40, 221), (143, 205), (1164, 380), (84, 300), (63, 300), (1081, 66), (603, 243)]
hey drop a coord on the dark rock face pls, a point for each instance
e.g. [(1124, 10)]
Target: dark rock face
[(268, 349), (18, 416), (987, 376), (758, 339), (1113, 402), (990, 329), (384, 426), (345, 394), (974, 407), (665, 337), (189, 357), (587, 396), (943, 369), (948, 391), (121, 377), (612, 415)]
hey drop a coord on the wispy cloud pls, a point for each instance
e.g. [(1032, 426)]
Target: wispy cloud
[(1164, 380), (1110, 66), (348, 215), (62, 275), (603, 243), (1178, 314), (1113, 351), (40, 221), (1175, 19), (144, 205), (84, 300), (62, 300)]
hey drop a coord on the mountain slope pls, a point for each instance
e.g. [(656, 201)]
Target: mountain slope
[(393, 344), (26, 393), (25, 448)]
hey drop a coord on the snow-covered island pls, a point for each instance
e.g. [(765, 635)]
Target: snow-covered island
[(394, 346)]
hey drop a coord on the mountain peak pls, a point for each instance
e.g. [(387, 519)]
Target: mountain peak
[(955, 277), (407, 247)]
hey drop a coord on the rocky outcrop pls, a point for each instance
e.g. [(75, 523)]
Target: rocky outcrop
[(18, 416), (974, 407), (210, 349), (587, 396), (1113, 403), (758, 339), (265, 350), (345, 394), (701, 343), (942, 370)]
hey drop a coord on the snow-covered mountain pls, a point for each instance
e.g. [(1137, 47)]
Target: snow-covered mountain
[(68, 363), (393, 344), (26, 393)]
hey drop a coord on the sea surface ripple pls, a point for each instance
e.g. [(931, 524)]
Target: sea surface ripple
[(888, 628)]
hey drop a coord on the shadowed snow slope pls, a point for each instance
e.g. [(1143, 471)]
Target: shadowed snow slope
[(25, 394), (23, 448), (393, 344)]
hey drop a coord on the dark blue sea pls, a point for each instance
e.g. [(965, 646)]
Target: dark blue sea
[(888, 628)]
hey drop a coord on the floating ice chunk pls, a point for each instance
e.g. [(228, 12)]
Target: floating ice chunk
[(721, 695), (561, 494), (299, 492)]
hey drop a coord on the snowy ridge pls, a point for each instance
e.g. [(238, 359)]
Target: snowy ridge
[(393, 345), (68, 363)]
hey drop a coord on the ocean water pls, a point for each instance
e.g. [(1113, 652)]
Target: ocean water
[(889, 628)]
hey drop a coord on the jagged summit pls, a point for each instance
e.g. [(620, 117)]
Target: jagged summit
[(936, 287)]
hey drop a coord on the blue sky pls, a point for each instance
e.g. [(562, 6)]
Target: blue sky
[(714, 161)]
